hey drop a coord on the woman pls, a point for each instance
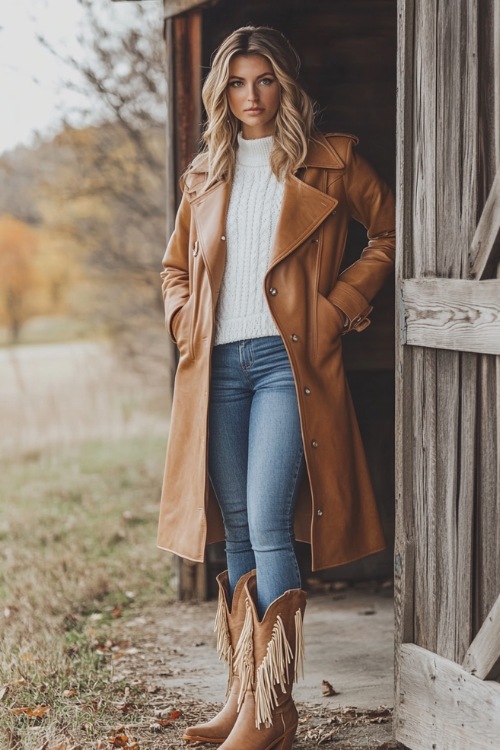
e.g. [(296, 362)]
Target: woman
[(263, 436)]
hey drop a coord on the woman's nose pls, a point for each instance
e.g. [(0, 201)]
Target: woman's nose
[(252, 94)]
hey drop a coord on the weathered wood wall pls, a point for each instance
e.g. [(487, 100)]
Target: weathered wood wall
[(448, 402)]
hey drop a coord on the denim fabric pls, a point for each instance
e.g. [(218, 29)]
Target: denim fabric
[(256, 461)]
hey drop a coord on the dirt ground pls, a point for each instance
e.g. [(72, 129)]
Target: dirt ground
[(349, 644)]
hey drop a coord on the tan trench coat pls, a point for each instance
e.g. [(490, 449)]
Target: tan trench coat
[(336, 510)]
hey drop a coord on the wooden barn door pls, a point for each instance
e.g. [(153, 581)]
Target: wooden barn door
[(447, 557)]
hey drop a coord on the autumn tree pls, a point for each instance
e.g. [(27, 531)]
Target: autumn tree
[(117, 170), (19, 276)]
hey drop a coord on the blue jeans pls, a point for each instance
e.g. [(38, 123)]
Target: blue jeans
[(256, 461)]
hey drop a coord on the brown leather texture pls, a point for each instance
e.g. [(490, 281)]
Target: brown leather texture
[(217, 729), (279, 626), (336, 511)]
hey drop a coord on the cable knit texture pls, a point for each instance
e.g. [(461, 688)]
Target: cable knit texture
[(254, 207)]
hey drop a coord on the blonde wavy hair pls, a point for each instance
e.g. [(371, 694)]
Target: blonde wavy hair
[(295, 117)]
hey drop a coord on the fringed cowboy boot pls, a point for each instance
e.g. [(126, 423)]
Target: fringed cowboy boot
[(269, 657), (228, 626)]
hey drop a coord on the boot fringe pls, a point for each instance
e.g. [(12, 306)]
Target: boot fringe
[(243, 655), (221, 629), (272, 671), (298, 666)]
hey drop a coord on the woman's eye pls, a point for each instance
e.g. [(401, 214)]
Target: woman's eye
[(267, 81), (235, 84)]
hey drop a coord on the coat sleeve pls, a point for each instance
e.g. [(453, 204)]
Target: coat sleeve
[(372, 204), (175, 274)]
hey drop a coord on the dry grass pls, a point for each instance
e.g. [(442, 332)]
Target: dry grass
[(78, 554)]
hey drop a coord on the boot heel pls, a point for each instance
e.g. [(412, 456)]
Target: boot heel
[(286, 742)]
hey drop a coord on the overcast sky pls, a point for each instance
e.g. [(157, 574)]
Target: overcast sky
[(31, 95)]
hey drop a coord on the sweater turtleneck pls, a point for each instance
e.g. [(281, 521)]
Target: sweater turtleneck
[(254, 206), (254, 152)]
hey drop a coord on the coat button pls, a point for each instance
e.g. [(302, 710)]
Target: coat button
[(295, 337), (315, 240), (273, 292), (314, 443), (319, 512), (223, 237), (307, 391)]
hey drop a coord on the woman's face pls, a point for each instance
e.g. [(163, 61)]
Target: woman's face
[(253, 94)]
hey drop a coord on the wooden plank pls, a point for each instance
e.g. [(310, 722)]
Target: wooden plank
[(483, 656), (465, 503), (487, 521), (444, 707), (173, 8), (487, 513), (423, 383), (456, 82), (485, 248), (404, 546), (453, 314), (187, 87), (467, 216)]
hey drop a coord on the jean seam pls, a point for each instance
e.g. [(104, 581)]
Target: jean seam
[(291, 514)]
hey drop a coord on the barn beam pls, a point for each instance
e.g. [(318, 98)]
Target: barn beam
[(483, 656), (442, 706), (173, 8), (451, 314), (485, 247)]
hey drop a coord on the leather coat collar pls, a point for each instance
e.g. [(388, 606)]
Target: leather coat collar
[(321, 153)]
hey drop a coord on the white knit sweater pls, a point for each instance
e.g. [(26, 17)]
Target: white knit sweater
[(254, 207)]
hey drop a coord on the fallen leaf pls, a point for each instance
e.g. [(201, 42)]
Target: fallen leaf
[(328, 689), (69, 693), (120, 740), (117, 611), (3, 692), (39, 711)]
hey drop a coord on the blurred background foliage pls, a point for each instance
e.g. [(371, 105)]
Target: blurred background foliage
[(82, 215), (85, 374)]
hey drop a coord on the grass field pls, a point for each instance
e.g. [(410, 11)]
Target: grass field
[(78, 557)]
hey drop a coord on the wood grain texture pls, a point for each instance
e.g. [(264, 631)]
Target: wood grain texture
[(485, 247), (455, 223), (423, 383), (465, 504), (453, 314), (187, 87), (444, 707), (487, 511), (483, 656), (173, 8), (487, 518), (404, 546)]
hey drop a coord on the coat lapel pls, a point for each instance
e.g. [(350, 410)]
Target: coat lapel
[(209, 212), (303, 209)]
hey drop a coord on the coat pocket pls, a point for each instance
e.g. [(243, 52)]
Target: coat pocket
[(329, 324), (182, 325)]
